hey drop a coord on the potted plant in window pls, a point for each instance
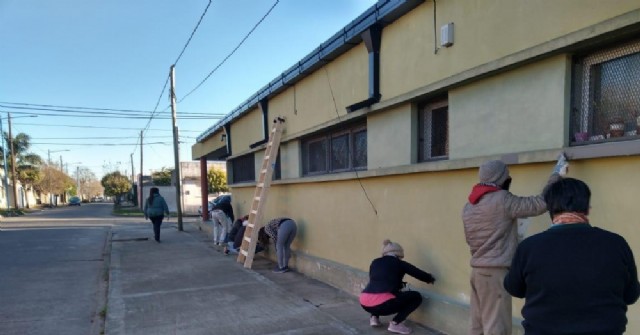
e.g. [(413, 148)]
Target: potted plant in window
[(616, 127)]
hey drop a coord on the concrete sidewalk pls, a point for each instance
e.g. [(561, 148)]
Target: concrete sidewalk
[(185, 285)]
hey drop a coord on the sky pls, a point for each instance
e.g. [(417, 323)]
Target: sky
[(116, 55)]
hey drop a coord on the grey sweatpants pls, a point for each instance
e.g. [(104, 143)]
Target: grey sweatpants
[(286, 233)]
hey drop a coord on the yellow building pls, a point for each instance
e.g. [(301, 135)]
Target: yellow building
[(389, 119)]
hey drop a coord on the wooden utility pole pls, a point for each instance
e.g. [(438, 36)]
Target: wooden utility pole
[(141, 175), (13, 165), (6, 171), (176, 148)]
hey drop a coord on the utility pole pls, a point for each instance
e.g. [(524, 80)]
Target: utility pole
[(78, 181), (13, 165), (141, 175), (61, 170), (176, 148), (6, 171)]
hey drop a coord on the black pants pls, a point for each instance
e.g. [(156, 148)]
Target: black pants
[(403, 304), (157, 222)]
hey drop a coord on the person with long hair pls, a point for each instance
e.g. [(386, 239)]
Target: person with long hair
[(155, 208)]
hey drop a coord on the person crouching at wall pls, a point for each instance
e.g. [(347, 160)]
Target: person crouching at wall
[(383, 295)]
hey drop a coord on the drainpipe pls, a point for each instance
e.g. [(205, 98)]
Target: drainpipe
[(372, 39)]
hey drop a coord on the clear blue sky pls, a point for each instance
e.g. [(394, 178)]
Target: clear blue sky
[(116, 54)]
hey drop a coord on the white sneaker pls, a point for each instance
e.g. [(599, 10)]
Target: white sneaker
[(399, 328), (374, 321)]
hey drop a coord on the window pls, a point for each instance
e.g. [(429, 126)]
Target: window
[(606, 95), (243, 169), (340, 150), (433, 131)]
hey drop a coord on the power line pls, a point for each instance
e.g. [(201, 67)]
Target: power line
[(102, 144), (98, 138), (98, 127), (192, 33), (104, 115), (102, 111), (71, 107), (231, 53)]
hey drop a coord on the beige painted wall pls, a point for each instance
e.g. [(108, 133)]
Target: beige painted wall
[(422, 211), (484, 31), (393, 136), (521, 110), (345, 77), (211, 144), (246, 130)]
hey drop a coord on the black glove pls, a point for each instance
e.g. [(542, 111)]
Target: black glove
[(431, 279)]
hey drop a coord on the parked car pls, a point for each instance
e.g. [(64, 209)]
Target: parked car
[(218, 200), (74, 201)]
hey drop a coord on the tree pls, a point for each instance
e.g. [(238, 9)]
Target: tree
[(162, 177), (84, 178), (115, 184), (53, 181), (217, 181), (93, 188), (27, 164)]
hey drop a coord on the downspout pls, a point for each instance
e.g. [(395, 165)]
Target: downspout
[(227, 138), (372, 39)]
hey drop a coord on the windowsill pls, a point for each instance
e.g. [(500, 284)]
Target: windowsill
[(591, 151)]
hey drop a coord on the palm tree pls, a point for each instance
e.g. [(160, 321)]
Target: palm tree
[(27, 163)]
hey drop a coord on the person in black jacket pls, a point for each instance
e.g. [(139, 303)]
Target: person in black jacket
[(575, 278), (383, 294)]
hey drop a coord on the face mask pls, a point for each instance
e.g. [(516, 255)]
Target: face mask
[(506, 184)]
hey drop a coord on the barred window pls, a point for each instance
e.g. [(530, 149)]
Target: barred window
[(433, 131), (243, 169), (606, 95), (343, 149)]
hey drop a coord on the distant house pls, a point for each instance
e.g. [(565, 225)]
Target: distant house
[(389, 119)]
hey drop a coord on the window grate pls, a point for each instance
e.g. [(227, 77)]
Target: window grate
[(606, 95), (339, 150), (243, 169), (433, 141)]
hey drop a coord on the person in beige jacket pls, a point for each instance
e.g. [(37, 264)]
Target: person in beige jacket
[(491, 230)]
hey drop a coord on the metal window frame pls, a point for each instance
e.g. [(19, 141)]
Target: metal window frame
[(424, 143), (328, 136)]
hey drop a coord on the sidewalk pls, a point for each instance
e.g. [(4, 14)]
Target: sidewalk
[(186, 285)]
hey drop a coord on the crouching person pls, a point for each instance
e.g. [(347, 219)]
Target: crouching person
[(383, 295)]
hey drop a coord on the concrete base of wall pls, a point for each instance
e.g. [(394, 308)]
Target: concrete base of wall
[(437, 311)]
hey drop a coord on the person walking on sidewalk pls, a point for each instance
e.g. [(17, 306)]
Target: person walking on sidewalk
[(222, 216), (154, 208), (282, 231), (491, 230), (383, 294), (575, 278)]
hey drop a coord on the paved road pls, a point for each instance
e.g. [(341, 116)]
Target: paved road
[(52, 270)]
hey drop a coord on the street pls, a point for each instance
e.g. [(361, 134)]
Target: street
[(52, 270)]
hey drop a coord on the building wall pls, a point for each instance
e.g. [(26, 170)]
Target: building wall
[(484, 32), (520, 110), (516, 109)]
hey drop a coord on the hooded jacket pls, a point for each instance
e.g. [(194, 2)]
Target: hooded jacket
[(490, 224), (158, 206)]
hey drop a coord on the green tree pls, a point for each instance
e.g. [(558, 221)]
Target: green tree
[(27, 164), (115, 184), (217, 180), (162, 177)]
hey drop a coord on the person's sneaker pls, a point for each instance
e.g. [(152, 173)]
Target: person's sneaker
[(374, 321), (281, 270), (399, 328)]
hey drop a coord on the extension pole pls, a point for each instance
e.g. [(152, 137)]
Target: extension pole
[(176, 148)]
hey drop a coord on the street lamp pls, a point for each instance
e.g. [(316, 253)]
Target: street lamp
[(4, 156)]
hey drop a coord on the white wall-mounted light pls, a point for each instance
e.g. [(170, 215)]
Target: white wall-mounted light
[(446, 35)]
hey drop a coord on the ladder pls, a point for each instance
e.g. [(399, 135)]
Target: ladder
[(250, 239)]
